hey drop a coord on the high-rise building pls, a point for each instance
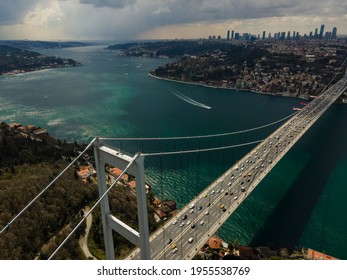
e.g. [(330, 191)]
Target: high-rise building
[(288, 35), (321, 31), (316, 33), (232, 34), (228, 35), (334, 34), (264, 35), (237, 36)]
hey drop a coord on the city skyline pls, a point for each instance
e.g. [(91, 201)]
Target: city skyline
[(281, 35), (160, 19)]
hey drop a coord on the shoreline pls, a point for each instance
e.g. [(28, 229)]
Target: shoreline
[(23, 72), (227, 88)]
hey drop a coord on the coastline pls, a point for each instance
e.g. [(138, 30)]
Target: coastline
[(284, 94), (23, 72)]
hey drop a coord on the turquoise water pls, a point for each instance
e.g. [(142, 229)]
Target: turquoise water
[(301, 203)]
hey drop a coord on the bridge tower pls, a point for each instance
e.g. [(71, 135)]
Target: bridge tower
[(135, 167)]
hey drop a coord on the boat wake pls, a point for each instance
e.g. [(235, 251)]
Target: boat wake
[(189, 100)]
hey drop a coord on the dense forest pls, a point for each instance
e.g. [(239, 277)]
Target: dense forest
[(27, 166)]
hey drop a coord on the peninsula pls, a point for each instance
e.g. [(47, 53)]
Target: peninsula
[(15, 61)]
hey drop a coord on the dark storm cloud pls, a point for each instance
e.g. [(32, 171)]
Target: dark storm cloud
[(131, 18), (117, 4), (12, 11), (188, 11)]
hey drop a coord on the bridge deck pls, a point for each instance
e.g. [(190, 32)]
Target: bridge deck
[(219, 200)]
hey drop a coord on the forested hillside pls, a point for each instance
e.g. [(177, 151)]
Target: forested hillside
[(27, 166)]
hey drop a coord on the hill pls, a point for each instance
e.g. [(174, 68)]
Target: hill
[(15, 60), (28, 163)]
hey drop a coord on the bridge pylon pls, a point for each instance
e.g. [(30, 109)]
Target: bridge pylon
[(107, 155)]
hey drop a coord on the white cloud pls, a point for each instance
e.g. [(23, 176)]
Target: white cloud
[(44, 16), (161, 10)]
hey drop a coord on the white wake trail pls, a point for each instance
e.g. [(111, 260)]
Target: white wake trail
[(189, 100)]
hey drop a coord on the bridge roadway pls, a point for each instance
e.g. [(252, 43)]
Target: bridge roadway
[(212, 207)]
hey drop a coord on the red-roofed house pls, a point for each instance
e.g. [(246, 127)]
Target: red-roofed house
[(116, 172), (315, 255), (132, 185), (86, 172), (215, 243)]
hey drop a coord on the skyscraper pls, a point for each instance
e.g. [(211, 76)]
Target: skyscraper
[(264, 35), (232, 34), (321, 31), (228, 35), (334, 34), (316, 33)]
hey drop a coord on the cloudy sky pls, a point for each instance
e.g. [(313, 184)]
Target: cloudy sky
[(164, 19)]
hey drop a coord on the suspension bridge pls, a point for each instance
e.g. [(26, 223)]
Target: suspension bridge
[(186, 232)]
